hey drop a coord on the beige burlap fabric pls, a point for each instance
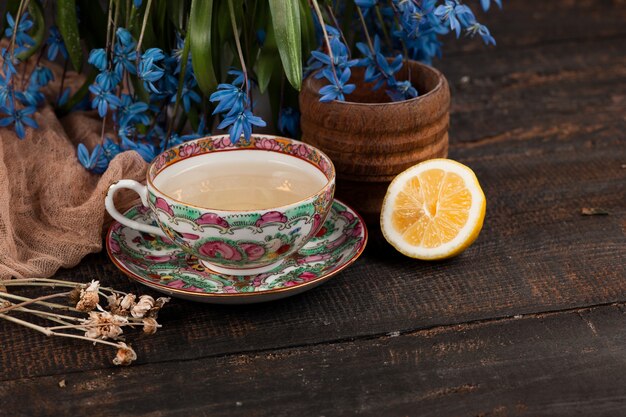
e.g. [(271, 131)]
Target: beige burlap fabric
[(51, 209)]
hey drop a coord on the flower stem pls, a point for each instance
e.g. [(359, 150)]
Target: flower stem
[(43, 303), (233, 22), (329, 9), (365, 31), (383, 27), (320, 17), (34, 300), (143, 26), (49, 332), (18, 16), (61, 283)]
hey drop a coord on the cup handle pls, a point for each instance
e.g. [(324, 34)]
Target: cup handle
[(140, 189)]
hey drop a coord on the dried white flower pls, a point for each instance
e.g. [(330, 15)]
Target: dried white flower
[(104, 325), (128, 301), (125, 355), (150, 325), (89, 297), (158, 304), (144, 305)]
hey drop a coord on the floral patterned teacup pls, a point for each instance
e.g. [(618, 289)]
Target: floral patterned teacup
[(235, 242)]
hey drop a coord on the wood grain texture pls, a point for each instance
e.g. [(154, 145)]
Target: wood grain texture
[(564, 364), (540, 119), (535, 253)]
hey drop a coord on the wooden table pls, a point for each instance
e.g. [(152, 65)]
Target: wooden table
[(529, 321)]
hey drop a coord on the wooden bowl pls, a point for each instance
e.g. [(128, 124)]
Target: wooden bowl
[(371, 139)]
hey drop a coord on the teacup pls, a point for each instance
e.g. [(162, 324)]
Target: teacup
[(232, 241)]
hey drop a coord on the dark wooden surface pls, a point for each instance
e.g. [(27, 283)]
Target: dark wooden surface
[(529, 321)]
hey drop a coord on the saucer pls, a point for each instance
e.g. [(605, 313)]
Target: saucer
[(157, 263)]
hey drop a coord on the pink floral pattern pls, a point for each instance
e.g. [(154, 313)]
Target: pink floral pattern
[(211, 218), (271, 217), (188, 149), (252, 250), (154, 261), (267, 144), (219, 250), (160, 203)]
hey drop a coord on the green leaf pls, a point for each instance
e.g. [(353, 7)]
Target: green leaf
[(67, 22), (266, 64), (200, 44), (35, 10), (286, 21), (309, 42)]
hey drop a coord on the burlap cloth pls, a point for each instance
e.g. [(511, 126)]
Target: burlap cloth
[(51, 209)]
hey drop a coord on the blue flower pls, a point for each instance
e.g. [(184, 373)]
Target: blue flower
[(456, 15), (231, 99), (56, 44), (188, 95), (6, 91), (21, 37), (340, 56), (18, 118), (95, 162), (402, 90), (31, 96), (108, 79), (289, 121), (176, 139), (486, 3), (337, 87), (149, 71), (145, 150), (8, 63), (110, 148), (98, 58), (365, 4), (65, 96), (124, 38), (131, 112), (137, 3), (241, 123), (260, 37), (103, 100), (477, 28), (41, 76), (124, 59)]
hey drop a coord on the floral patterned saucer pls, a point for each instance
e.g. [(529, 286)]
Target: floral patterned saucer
[(155, 262)]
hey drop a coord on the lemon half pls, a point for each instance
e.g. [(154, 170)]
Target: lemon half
[(433, 210)]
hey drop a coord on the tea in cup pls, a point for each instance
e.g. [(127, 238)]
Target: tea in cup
[(239, 208)]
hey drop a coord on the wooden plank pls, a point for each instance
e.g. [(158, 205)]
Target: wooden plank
[(536, 252), (562, 89), (521, 24), (563, 364)]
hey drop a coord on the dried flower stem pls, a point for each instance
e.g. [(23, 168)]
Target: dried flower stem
[(46, 314), (34, 300), (43, 303), (88, 320), (48, 332), (57, 282)]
